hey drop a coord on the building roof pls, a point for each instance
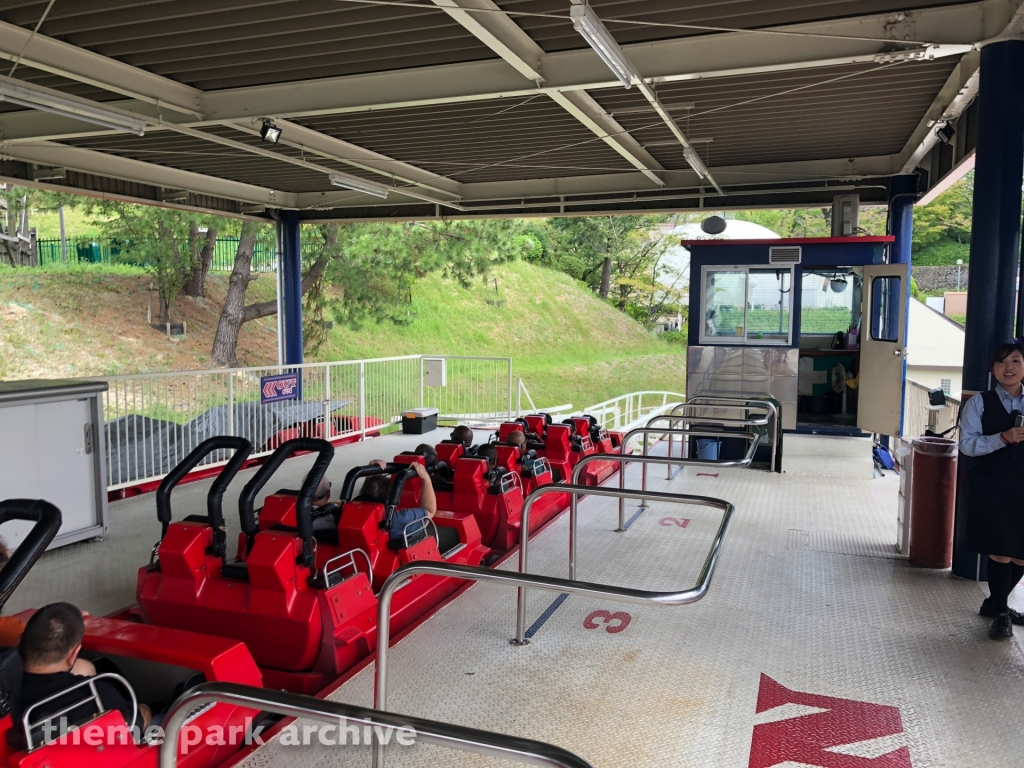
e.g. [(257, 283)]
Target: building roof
[(488, 108), (933, 340)]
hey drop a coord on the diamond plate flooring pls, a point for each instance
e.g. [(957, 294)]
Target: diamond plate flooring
[(811, 649)]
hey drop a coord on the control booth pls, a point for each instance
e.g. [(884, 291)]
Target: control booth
[(816, 324)]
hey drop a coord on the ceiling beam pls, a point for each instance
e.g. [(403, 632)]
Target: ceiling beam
[(60, 58), (103, 164), (498, 32)]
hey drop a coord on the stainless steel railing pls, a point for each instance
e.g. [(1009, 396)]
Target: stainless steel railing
[(331, 712), (706, 422), (746, 461), (739, 403)]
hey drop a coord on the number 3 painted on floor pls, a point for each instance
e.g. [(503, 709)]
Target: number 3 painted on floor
[(682, 522), (606, 619)]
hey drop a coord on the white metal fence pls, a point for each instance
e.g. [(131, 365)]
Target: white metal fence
[(916, 413), (625, 412), (154, 420)]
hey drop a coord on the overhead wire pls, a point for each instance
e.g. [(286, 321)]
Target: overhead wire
[(24, 48), (634, 22)]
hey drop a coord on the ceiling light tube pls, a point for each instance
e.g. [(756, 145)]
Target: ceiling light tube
[(695, 162), (587, 23), (47, 100), (358, 185)]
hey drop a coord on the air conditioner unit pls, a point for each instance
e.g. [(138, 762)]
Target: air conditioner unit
[(785, 254), (845, 215)]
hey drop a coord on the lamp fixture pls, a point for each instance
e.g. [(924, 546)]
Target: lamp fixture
[(691, 156), (358, 185), (587, 23), (946, 133), (270, 133), (23, 94)]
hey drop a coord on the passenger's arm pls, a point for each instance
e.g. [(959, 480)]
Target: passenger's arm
[(973, 441), (427, 498)]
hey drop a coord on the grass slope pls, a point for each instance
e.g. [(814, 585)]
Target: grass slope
[(568, 346), (90, 320)]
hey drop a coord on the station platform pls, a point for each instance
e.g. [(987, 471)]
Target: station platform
[(817, 644)]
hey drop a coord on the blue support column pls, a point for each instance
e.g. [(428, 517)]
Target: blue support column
[(291, 286), (995, 241)]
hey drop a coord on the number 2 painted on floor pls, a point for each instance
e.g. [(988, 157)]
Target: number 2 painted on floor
[(607, 617), (682, 522)]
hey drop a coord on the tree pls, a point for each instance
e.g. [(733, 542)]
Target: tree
[(947, 218), (620, 258), (200, 250), (154, 238), (225, 341)]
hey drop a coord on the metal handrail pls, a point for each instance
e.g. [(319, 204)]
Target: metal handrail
[(548, 583), (746, 461), (736, 403), (331, 712), (711, 422), (90, 683), (576, 490)]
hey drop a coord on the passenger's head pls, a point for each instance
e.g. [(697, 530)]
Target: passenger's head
[(517, 438), (462, 434), (323, 492), (376, 488), (488, 452), (53, 635), (5, 553), (1007, 364), (427, 452)]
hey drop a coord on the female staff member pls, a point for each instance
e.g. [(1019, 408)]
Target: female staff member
[(995, 521)]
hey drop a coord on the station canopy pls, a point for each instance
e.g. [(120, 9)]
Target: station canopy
[(412, 109)]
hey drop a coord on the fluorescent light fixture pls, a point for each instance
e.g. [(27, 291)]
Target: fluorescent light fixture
[(270, 133), (56, 103), (358, 185), (600, 39), (695, 162)]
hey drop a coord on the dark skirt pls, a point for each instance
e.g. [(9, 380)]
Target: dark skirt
[(995, 519)]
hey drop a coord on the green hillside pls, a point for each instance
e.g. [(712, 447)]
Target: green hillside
[(567, 345)]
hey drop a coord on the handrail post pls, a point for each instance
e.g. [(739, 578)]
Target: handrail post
[(231, 404), (362, 401)]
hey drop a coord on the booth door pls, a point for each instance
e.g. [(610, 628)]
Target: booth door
[(883, 350)]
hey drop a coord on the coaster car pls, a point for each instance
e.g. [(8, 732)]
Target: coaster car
[(154, 664), (301, 599)]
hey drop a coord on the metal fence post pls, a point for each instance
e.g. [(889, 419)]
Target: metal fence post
[(362, 401), (510, 389), (328, 430), (231, 402), (422, 375)]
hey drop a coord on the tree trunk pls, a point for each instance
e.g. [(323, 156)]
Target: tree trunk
[(606, 278), (264, 308), (225, 342), (201, 257)]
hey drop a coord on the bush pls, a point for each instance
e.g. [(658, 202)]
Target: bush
[(943, 253)]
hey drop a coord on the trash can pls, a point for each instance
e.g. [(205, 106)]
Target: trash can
[(932, 501), (707, 449)]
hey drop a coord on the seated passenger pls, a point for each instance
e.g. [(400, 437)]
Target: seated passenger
[(49, 651), (10, 627), (377, 488), (518, 438), (463, 434), (428, 453), (439, 471), (324, 518), (490, 453)]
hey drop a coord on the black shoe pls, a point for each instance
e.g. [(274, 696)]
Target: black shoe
[(1001, 628), (991, 613)]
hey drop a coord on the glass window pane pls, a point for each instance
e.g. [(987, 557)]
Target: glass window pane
[(768, 304), (886, 295), (830, 301), (724, 299)]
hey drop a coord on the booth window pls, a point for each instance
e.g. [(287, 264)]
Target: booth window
[(886, 296), (830, 301), (747, 305)]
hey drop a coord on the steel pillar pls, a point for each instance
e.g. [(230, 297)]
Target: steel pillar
[(995, 240), (291, 286)]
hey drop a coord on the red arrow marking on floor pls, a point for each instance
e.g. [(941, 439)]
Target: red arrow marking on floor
[(705, 474), (806, 739), (682, 522)]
